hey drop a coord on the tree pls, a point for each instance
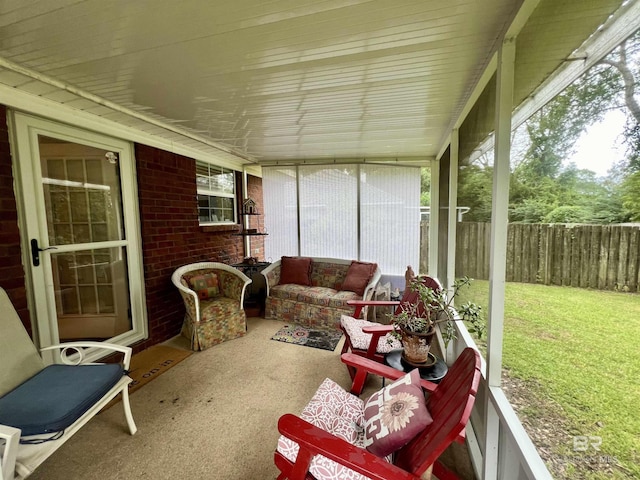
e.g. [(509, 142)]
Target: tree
[(542, 187), (474, 191), (425, 187), (624, 60), (631, 196), (568, 214)]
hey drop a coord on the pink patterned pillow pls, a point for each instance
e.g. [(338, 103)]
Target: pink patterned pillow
[(394, 415), (334, 410), (361, 340), (205, 285)]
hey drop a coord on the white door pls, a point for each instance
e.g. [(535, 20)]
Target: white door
[(80, 210)]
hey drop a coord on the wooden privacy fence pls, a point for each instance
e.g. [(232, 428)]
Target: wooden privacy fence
[(604, 257)]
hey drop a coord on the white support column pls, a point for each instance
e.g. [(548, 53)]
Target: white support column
[(453, 210), (434, 218), (497, 261)]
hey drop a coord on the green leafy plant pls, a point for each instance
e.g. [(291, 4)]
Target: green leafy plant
[(435, 307)]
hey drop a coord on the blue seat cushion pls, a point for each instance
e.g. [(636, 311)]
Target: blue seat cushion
[(57, 396)]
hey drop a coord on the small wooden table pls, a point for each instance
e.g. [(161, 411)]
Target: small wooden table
[(433, 373)]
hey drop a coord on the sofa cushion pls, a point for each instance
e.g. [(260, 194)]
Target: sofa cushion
[(394, 415), (328, 274), (206, 285), (57, 396), (295, 270), (290, 291), (321, 296), (358, 276), (340, 299), (316, 295)]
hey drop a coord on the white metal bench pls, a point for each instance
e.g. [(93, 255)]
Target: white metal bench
[(23, 372)]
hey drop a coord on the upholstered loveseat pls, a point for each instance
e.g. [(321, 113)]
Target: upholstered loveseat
[(316, 295)]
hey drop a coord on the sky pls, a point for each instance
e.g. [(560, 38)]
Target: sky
[(600, 146)]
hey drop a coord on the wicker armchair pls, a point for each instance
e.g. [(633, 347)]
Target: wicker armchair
[(213, 295)]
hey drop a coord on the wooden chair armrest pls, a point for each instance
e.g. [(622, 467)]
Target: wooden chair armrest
[(315, 441), (360, 304), (363, 366), (80, 349), (378, 330)]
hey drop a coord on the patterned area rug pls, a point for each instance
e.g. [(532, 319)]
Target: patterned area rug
[(309, 337)]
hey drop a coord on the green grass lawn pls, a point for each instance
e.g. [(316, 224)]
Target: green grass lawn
[(579, 348)]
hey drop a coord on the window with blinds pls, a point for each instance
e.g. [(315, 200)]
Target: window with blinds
[(364, 212), (216, 194)]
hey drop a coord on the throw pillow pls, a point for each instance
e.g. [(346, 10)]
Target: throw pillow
[(358, 276), (205, 285), (394, 415), (295, 270), (360, 340)]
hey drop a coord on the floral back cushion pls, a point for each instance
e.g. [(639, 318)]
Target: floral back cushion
[(205, 285), (330, 275)]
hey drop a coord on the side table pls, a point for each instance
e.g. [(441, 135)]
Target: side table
[(254, 297), (433, 373)]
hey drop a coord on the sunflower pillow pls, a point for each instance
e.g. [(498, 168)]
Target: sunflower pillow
[(394, 415)]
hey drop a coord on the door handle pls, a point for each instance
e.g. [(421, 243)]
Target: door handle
[(35, 251)]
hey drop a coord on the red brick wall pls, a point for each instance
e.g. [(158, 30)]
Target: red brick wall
[(11, 270), (171, 235)]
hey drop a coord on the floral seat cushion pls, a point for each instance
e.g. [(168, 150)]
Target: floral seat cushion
[(322, 296), (337, 411), (360, 340), (220, 307)]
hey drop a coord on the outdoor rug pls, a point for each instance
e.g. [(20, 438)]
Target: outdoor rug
[(150, 364), (309, 337)]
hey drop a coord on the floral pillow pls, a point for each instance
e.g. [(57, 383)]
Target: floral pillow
[(206, 285), (394, 415)]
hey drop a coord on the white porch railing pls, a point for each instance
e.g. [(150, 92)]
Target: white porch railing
[(517, 456)]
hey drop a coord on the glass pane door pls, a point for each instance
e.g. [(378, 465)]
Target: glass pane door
[(83, 209)]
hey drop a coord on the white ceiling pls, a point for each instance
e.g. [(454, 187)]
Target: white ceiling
[(266, 80)]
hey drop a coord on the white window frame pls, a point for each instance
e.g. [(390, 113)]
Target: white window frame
[(211, 191)]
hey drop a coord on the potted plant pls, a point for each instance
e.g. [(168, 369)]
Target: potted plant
[(417, 320)]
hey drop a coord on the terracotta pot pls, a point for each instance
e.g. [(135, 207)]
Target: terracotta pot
[(416, 345)]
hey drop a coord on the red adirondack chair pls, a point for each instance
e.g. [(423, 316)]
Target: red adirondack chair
[(450, 403), (372, 348)]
